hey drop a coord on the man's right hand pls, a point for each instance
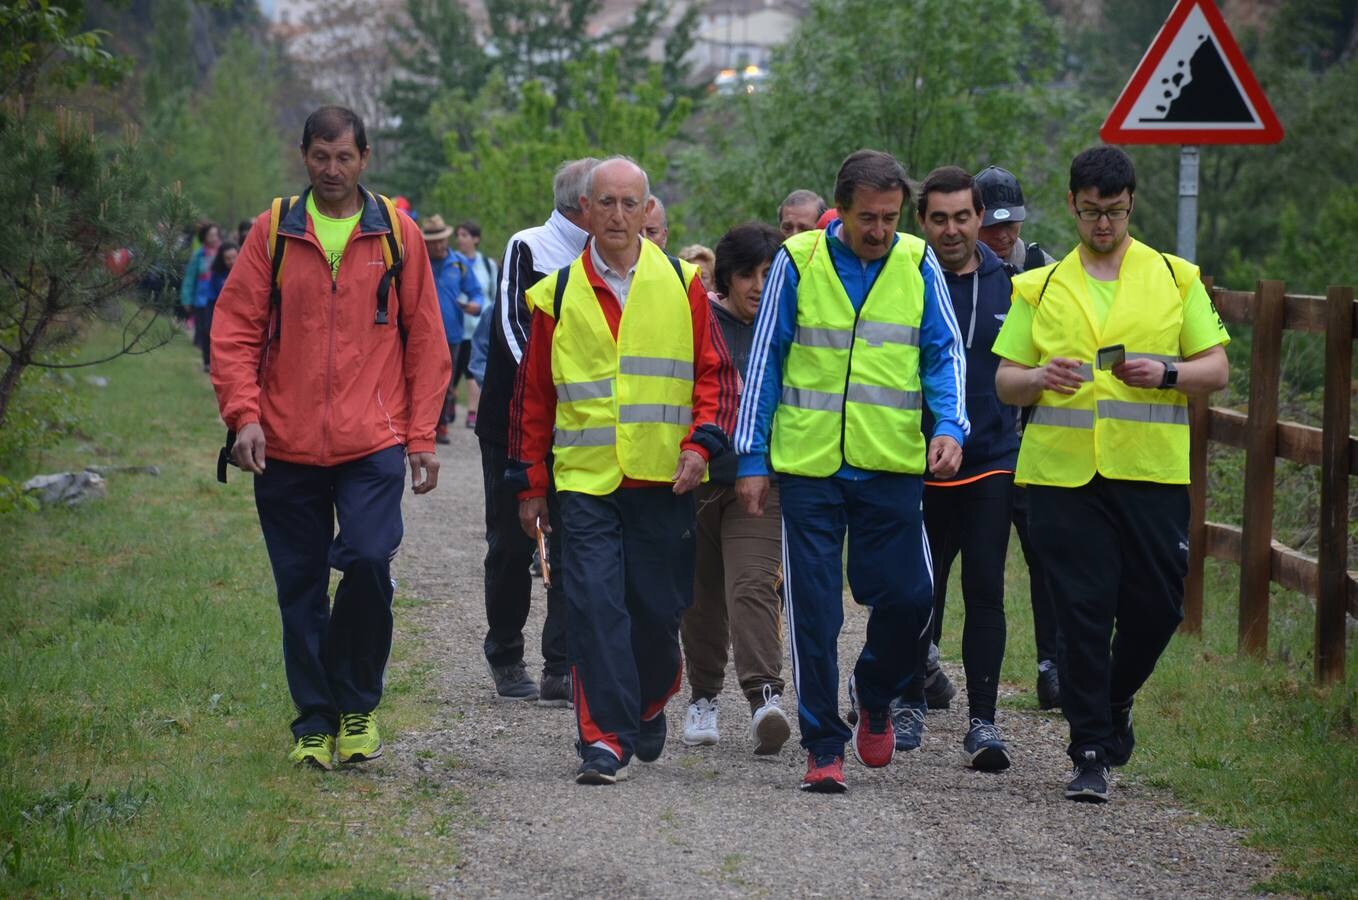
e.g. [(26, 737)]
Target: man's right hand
[(249, 449), (533, 515), (1060, 375), (753, 493)]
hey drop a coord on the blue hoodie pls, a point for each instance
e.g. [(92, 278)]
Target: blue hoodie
[(980, 301), (454, 279)]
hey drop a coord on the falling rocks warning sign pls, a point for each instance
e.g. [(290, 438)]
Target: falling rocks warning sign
[(1193, 86)]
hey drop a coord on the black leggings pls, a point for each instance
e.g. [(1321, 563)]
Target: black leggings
[(971, 519)]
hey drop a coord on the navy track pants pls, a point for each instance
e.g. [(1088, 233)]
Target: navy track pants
[(889, 571), (335, 655)]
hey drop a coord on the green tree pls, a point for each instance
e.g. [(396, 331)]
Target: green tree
[(42, 45), (504, 179), (72, 201), (931, 83)]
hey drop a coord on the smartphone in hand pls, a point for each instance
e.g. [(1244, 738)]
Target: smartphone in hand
[(1111, 356)]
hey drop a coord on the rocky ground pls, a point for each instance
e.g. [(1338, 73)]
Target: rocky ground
[(719, 821)]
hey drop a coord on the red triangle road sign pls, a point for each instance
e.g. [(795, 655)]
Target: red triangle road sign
[(1193, 86)]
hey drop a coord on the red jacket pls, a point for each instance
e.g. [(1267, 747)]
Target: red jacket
[(333, 386), (533, 411)]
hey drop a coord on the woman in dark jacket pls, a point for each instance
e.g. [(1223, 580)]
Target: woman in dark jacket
[(202, 326)]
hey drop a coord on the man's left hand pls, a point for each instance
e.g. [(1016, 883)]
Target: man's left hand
[(424, 472), (689, 473), (945, 457), (1140, 373)]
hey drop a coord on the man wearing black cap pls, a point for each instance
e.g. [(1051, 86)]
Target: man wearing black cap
[(1000, 227), (1004, 215)]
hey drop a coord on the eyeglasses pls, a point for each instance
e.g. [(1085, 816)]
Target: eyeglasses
[(1116, 214)]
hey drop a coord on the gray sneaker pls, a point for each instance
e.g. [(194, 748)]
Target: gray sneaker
[(555, 690), (512, 682)]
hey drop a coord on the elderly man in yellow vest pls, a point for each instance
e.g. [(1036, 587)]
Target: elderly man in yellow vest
[(1108, 343), (626, 390)]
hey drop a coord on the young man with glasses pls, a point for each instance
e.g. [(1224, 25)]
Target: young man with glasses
[(1108, 344)]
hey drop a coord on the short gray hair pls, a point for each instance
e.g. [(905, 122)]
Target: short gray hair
[(569, 183), (589, 182), (801, 197), (664, 213)]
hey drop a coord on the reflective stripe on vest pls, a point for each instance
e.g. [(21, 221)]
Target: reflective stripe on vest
[(1107, 427), (851, 387), (624, 405)]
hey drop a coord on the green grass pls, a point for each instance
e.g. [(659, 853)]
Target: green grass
[(144, 709), (1251, 743)]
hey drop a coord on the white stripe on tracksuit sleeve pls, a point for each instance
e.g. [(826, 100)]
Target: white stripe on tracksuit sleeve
[(943, 361)]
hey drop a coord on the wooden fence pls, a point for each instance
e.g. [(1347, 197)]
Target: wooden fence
[(1269, 311)]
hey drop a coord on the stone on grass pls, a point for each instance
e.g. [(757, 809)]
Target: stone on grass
[(68, 488)]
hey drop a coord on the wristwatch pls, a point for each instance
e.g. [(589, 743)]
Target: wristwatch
[(1171, 377)]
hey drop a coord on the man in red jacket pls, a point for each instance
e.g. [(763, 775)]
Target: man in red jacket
[(331, 386)]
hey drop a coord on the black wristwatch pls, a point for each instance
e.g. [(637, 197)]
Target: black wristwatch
[(1171, 376)]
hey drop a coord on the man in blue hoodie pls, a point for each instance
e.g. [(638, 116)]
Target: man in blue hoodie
[(968, 512), (459, 293)]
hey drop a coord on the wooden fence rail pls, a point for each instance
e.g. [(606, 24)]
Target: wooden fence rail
[(1269, 311)]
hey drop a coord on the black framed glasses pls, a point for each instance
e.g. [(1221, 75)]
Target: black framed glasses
[(1116, 214)]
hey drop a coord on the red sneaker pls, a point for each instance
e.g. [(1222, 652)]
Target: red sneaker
[(824, 774), (874, 740)]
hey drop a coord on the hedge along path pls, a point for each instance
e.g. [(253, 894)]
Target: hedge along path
[(718, 821)]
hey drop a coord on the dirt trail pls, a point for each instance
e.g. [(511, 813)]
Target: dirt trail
[(719, 821)]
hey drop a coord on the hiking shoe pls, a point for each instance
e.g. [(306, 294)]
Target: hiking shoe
[(824, 774), (315, 750), (358, 738), (1123, 737), (907, 721), (600, 767), (555, 690), (938, 690), (700, 724), (512, 682), (651, 738), (1048, 689), (769, 726), (441, 437), (874, 740), (984, 748), (1090, 784), (471, 418)]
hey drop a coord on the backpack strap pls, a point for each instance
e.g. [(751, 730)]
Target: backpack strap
[(277, 246), (1034, 258), (678, 270), (391, 255), (1046, 282), (563, 275)]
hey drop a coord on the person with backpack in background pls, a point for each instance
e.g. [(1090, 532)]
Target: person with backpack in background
[(193, 289), (330, 366), (459, 293), (222, 264), (468, 238)]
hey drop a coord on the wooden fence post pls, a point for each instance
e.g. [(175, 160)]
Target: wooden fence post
[(1261, 449), (1332, 594), (1199, 412)]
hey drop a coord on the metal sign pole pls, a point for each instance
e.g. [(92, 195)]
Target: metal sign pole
[(1188, 203)]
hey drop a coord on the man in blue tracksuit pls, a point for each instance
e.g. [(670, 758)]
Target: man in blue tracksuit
[(968, 514), (455, 281), (855, 335)]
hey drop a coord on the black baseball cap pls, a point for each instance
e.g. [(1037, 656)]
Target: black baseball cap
[(1001, 196)]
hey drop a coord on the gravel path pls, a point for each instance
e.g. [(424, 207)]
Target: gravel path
[(721, 822)]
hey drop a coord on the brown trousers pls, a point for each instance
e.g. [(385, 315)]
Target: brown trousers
[(736, 599)]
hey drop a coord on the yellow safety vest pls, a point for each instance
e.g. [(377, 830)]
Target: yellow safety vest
[(1107, 427), (851, 386), (622, 407)]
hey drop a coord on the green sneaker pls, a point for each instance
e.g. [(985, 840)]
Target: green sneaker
[(358, 738), (316, 750)]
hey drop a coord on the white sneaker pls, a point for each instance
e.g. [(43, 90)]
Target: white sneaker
[(700, 725), (769, 727)]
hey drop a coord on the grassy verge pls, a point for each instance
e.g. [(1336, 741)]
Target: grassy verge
[(1253, 744), (145, 711)]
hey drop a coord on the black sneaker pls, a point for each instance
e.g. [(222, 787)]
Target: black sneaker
[(938, 690), (908, 721), (512, 682), (555, 690), (651, 739), (1123, 737), (600, 767), (984, 748), (1048, 689), (1090, 784)]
